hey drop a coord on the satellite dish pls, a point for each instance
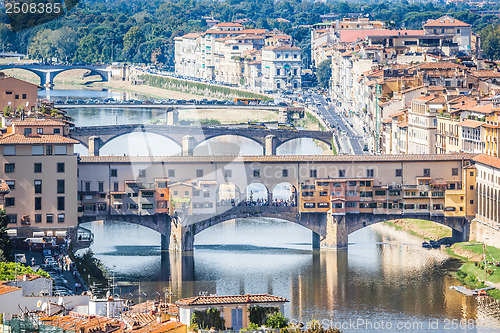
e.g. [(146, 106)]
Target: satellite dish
[(44, 307), (60, 301), (10, 103), (27, 103), (39, 303), (108, 294)]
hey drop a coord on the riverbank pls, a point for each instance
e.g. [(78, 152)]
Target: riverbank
[(473, 272)]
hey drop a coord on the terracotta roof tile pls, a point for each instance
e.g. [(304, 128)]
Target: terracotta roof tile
[(4, 289), (446, 21), (488, 160), (234, 299), (228, 24), (440, 65), (274, 159), (41, 122), (159, 327), (19, 139), (470, 123)]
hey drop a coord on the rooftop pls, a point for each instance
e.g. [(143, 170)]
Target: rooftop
[(471, 123), (488, 160), (38, 122), (275, 159), (19, 139), (233, 299), (446, 21), (4, 289)]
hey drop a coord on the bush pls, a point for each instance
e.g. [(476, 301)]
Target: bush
[(207, 319), (259, 314), (277, 320)]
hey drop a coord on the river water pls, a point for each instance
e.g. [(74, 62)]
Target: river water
[(385, 281)]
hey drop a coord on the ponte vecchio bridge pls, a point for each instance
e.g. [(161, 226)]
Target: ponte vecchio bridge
[(123, 188)]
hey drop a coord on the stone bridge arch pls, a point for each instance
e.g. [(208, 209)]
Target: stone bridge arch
[(324, 140)]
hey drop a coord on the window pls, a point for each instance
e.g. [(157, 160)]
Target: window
[(100, 186), (341, 173), (147, 206), (458, 31), (48, 150), (228, 173), (379, 192), (171, 173), (16, 96), (9, 150), (10, 167), (423, 206), (454, 171), (199, 173), (307, 194), (471, 202), (113, 173), (24, 96), (12, 218), (437, 207), (323, 194), (60, 218), (399, 172), (278, 71), (142, 173), (472, 173), (27, 131), (115, 186), (206, 194), (8, 93), (101, 206), (394, 193), (38, 167), (11, 183), (461, 209), (87, 186), (256, 173), (309, 205), (10, 202), (366, 194), (427, 172), (60, 150), (36, 150), (38, 203), (324, 205), (60, 186), (313, 173), (284, 172), (38, 218), (60, 203), (38, 186), (57, 131), (132, 206), (369, 172), (176, 192), (148, 194)]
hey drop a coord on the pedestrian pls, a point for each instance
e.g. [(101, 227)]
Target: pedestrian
[(32, 261), (76, 286)]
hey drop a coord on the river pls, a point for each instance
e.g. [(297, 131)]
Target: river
[(385, 281)]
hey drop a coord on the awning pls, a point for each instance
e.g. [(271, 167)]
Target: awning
[(35, 240), (61, 233), (38, 233)]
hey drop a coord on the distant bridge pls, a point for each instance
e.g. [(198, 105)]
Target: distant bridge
[(188, 137), (47, 73)]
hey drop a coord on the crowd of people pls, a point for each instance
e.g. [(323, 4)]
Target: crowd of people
[(257, 202)]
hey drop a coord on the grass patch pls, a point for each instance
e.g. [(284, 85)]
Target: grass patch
[(492, 253), (421, 228)]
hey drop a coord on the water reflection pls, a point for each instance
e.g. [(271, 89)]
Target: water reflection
[(380, 277)]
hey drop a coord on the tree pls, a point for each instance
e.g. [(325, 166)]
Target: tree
[(277, 320), (64, 41), (5, 242), (490, 41), (324, 73), (41, 46), (131, 41)]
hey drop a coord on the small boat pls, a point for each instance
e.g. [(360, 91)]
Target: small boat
[(426, 245)]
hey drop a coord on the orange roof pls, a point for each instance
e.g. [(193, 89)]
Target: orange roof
[(29, 277), (235, 299), (193, 35), (403, 124), (40, 122), (485, 73), (440, 65), (33, 139), (446, 21), (159, 327), (283, 48), (4, 289), (471, 123), (488, 160), (485, 109), (253, 31)]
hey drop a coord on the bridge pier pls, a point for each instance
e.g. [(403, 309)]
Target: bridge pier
[(336, 236), (271, 144), (187, 145), (172, 117), (461, 236), (94, 145)]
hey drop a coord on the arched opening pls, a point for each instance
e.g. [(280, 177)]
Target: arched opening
[(249, 233), (301, 146), (257, 194), (228, 194), (77, 75), (139, 144), (22, 74), (284, 194), (228, 145)]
